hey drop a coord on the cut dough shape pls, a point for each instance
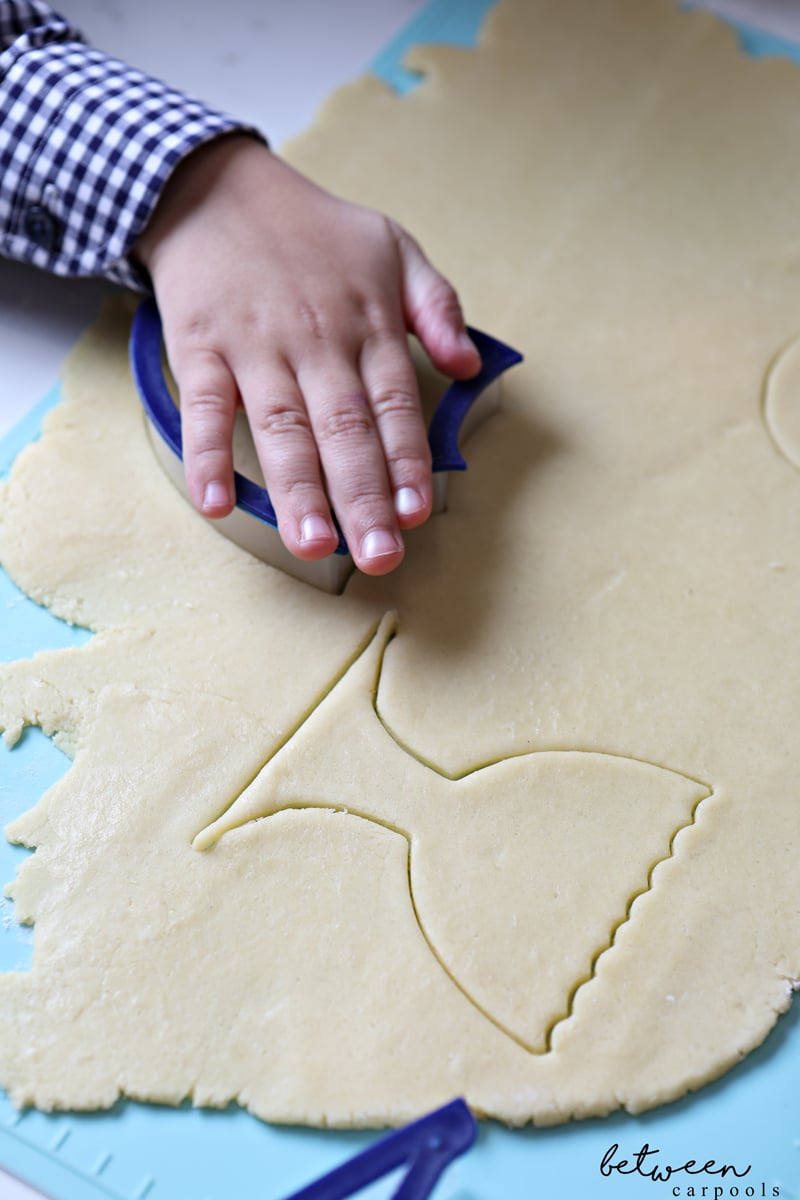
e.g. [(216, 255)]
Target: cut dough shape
[(599, 601), (481, 872)]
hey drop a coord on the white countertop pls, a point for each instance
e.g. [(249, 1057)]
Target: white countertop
[(269, 63)]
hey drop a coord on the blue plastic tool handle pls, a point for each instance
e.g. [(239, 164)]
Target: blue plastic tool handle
[(443, 433), (426, 1146)]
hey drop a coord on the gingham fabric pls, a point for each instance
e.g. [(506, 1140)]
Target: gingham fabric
[(86, 146)]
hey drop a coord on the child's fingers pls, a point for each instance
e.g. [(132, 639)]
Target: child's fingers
[(434, 313), (391, 385), (208, 398), (284, 442), (353, 462)]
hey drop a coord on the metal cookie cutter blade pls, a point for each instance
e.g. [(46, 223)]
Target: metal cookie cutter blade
[(425, 1147), (252, 524)]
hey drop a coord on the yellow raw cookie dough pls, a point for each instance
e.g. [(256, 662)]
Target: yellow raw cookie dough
[(533, 839)]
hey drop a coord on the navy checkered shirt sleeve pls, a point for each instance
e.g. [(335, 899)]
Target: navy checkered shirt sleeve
[(86, 146)]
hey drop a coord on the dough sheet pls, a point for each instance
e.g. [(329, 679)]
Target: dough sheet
[(518, 822)]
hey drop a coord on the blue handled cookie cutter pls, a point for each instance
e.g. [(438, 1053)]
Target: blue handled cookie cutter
[(253, 524), (426, 1148)]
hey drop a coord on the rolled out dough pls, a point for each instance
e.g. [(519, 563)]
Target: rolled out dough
[(534, 839)]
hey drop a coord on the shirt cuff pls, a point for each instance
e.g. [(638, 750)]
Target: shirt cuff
[(86, 148)]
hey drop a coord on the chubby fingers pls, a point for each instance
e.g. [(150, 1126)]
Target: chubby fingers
[(352, 459), (390, 383), (433, 311), (209, 394), (342, 433), (366, 420), (209, 397), (284, 441)]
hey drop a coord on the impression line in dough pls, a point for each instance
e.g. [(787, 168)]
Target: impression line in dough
[(780, 401), (199, 842), (317, 769)]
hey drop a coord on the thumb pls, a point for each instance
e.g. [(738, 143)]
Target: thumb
[(433, 312)]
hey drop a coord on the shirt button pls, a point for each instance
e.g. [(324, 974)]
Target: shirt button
[(42, 227)]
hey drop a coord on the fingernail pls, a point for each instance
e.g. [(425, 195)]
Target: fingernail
[(407, 501), (314, 528), (378, 543), (215, 495), (465, 342)]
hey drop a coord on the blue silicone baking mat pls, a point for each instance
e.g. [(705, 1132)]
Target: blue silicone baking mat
[(750, 1119)]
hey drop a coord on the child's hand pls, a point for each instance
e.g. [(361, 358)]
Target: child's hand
[(279, 295)]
